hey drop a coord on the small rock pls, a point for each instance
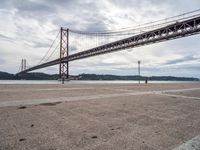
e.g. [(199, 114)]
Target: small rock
[(22, 107), (22, 139), (32, 125), (94, 137), (50, 104), (193, 146)]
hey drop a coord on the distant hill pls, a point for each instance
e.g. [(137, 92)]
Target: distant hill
[(115, 77), (6, 76), (43, 76), (37, 76), (27, 76)]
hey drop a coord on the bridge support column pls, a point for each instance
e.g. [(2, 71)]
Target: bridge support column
[(23, 64), (64, 47)]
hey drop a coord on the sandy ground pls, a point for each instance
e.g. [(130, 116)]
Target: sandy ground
[(98, 116)]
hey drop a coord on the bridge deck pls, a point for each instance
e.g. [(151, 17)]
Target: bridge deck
[(98, 116)]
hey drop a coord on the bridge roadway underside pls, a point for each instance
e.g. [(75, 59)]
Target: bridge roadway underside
[(99, 116), (176, 30)]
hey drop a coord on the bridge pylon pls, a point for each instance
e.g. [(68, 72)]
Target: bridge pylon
[(64, 52), (23, 65)]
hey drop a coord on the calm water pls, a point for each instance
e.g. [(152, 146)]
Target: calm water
[(82, 82)]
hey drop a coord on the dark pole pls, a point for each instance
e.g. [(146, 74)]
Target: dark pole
[(60, 52), (67, 53), (139, 70)]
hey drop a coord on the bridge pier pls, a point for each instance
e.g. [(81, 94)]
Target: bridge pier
[(64, 47)]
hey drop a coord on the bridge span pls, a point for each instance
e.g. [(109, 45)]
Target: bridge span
[(158, 33)]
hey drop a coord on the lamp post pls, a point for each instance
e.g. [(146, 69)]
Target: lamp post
[(139, 62)]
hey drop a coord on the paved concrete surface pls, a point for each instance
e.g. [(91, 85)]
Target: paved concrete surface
[(100, 116), (193, 144)]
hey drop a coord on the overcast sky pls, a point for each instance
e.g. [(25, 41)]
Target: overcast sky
[(27, 28)]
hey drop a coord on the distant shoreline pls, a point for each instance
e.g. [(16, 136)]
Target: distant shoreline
[(93, 77)]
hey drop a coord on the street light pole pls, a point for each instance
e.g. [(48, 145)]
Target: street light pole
[(139, 70)]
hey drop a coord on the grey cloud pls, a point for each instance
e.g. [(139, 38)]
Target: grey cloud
[(2, 61), (128, 3), (5, 4), (96, 26), (30, 6), (180, 60), (193, 68), (72, 4), (73, 48), (86, 15), (6, 38), (30, 9), (40, 45)]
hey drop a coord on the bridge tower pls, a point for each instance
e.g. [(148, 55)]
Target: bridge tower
[(23, 64), (64, 47)]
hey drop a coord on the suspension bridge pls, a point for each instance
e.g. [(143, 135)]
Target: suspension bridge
[(87, 44)]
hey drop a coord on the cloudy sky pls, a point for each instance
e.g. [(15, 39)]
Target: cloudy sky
[(28, 27)]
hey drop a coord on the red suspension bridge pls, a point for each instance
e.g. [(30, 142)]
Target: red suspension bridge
[(110, 41)]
